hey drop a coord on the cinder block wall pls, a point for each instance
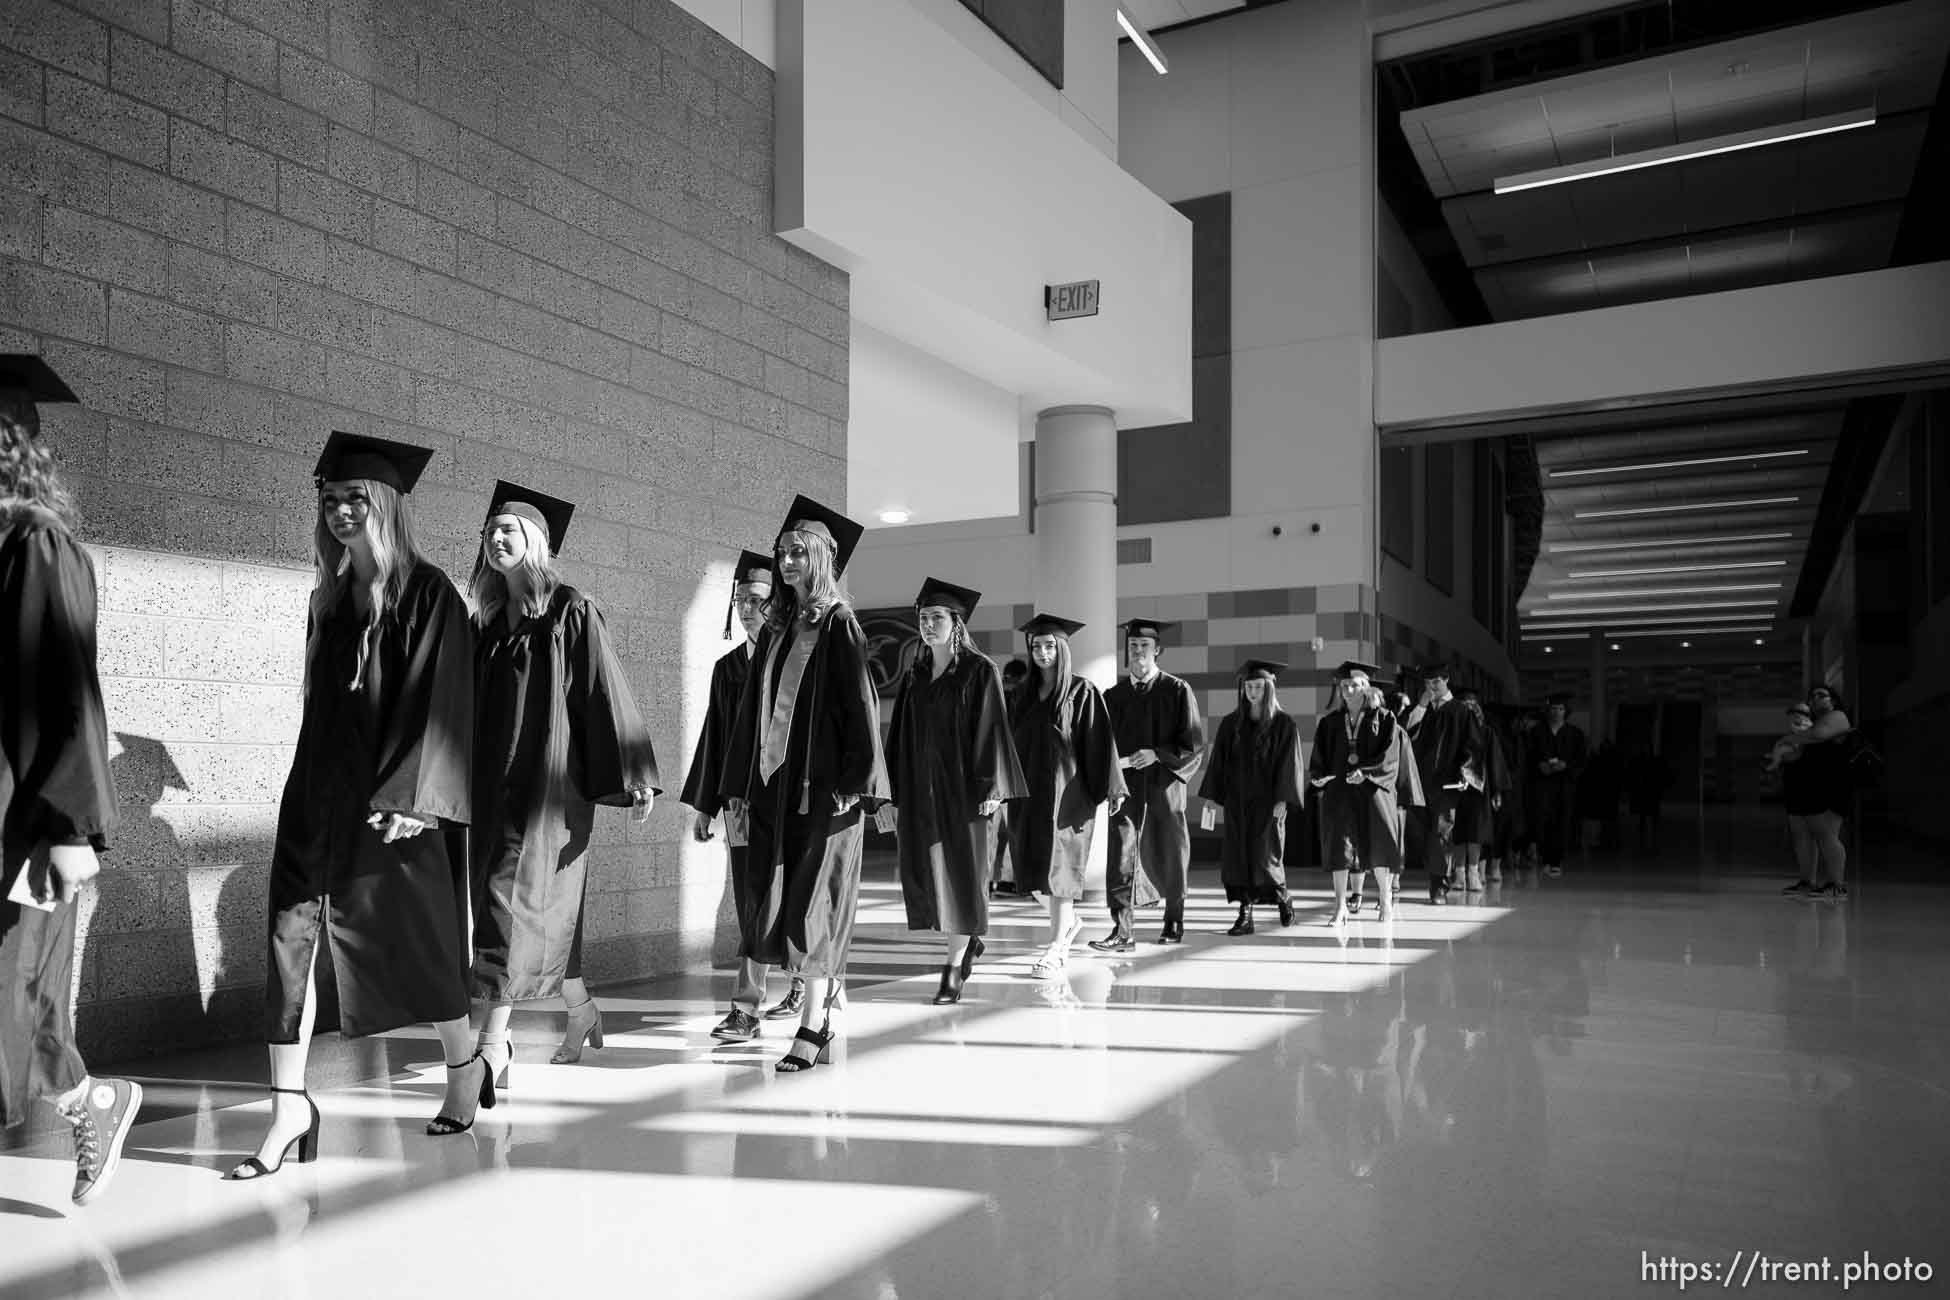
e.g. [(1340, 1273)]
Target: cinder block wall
[(532, 233)]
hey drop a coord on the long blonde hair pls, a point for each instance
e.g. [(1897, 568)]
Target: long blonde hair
[(395, 554), (826, 590), (487, 590), (29, 478)]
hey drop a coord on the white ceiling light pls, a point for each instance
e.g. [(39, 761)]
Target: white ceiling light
[(1582, 611), (1736, 504), (1674, 153), (1586, 575), (1665, 621), (1142, 39), (1697, 631), (1651, 543), (1677, 464), (1633, 593), (895, 515)]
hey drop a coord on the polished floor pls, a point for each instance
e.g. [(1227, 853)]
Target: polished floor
[(1545, 1091)]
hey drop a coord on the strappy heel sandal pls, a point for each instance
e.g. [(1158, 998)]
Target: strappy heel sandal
[(306, 1143), (449, 1125), (820, 1038), (585, 1027)]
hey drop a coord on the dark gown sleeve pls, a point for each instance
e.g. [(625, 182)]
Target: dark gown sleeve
[(54, 777), (1213, 788), (1574, 751), (896, 774), (1180, 754), (612, 745), (994, 769), (1408, 781), (1289, 786), (1319, 762), (425, 751), (713, 740), (862, 769), (1393, 754), (1093, 743)]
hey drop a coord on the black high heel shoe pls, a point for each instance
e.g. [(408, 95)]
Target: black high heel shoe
[(820, 1038), (1244, 923), (975, 949), (306, 1142), (1286, 911), (448, 1125), (951, 982)]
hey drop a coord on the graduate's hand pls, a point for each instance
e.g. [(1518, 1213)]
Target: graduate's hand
[(395, 826), (1496, 803), (1279, 812), (701, 828), (73, 866), (1113, 805), (1356, 776), (844, 802), (1319, 781), (640, 802), (989, 807), (1143, 758)]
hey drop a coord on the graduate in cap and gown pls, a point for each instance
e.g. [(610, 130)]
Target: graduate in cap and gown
[(1068, 752), (556, 732), (1154, 717), (371, 846), (57, 802), (751, 587), (1254, 774), (1449, 744), (1555, 757), (952, 764), (1364, 771), (805, 767)]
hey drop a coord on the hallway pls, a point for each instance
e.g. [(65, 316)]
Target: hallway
[(1516, 1096)]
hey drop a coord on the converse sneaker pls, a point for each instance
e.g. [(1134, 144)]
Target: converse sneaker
[(1799, 889), (1831, 893), (102, 1116)]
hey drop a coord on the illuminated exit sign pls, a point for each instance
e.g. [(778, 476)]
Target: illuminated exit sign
[(1068, 301)]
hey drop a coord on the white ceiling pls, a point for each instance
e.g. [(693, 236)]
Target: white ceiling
[(1824, 206), (1153, 14)]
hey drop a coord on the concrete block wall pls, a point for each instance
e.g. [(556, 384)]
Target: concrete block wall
[(533, 234)]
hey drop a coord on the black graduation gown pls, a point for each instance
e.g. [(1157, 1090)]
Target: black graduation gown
[(701, 784), (948, 750), (1475, 819), (394, 914), (556, 732), (1361, 825), (1447, 741), (1550, 798), (1067, 777), (803, 858), (1164, 719), (1252, 767), (54, 789)]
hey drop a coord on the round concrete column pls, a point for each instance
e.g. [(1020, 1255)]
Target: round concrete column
[(1076, 531)]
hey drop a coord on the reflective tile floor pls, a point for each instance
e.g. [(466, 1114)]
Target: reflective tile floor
[(1544, 1091)]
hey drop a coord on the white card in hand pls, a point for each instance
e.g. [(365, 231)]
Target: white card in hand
[(737, 826), (883, 819), (1208, 819), (37, 869)]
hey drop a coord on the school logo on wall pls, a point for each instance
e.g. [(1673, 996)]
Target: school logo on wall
[(893, 639)]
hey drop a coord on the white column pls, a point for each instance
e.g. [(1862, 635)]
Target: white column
[(1076, 531)]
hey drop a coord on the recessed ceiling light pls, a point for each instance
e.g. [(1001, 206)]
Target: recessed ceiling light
[(1757, 640), (1549, 648), (895, 515), (1736, 503), (1685, 645), (1614, 647), (1676, 464)]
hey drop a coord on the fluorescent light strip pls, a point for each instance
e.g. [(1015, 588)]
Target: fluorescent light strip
[(1566, 548), (1738, 504), (1700, 631), (1556, 624), (1142, 39), (1677, 464), (1628, 593), (1674, 153), (1581, 611), (1586, 575), (1557, 636)]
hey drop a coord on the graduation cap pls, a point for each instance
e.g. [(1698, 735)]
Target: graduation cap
[(550, 514), (753, 569), (25, 375), (1433, 669), (1558, 697), (354, 455), (1050, 625), (142, 755), (808, 516), (1349, 667), (1267, 668), (948, 596), (1150, 627)]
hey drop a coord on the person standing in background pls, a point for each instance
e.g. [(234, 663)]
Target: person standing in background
[(57, 802), (1556, 757)]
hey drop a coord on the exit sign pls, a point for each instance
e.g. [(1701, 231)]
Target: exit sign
[(1068, 301)]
